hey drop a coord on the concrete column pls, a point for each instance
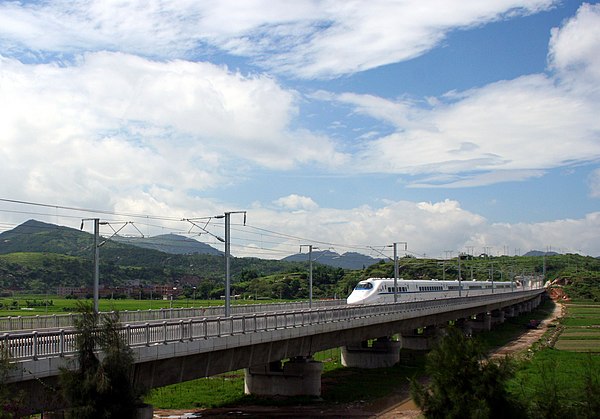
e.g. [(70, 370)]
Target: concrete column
[(412, 339), (465, 326), (509, 312), (497, 317), (482, 323), (383, 353), (298, 377)]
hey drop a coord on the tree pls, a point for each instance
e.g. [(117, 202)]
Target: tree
[(464, 384), (100, 388), (11, 405)]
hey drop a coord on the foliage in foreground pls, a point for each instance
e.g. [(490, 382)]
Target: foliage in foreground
[(463, 384), (11, 405), (560, 384), (100, 388)]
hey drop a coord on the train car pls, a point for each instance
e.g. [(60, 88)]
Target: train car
[(381, 290)]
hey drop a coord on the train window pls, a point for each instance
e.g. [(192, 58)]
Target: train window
[(364, 286)]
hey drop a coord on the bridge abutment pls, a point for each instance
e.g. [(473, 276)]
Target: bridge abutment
[(300, 376), (383, 353)]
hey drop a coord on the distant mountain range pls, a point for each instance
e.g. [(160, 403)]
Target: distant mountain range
[(170, 243), (540, 253), (36, 236), (348, 260)]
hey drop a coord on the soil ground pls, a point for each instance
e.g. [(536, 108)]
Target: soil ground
[(395, 406)]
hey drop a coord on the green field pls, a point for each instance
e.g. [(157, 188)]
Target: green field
[(581, 329), (564, 380), (35, 304), (339, 385)]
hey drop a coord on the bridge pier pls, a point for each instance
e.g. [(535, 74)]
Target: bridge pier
[(465, 326), (481, 323), (300, 376), (510, 312), (383, 353), (497, 317), (416, 341)]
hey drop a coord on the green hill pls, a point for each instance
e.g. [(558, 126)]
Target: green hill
[(170, 243)]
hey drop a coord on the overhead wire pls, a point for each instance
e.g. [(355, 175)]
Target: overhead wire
[(266, 237)]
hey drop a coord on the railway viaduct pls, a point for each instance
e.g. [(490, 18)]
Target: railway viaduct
[(172, 351)]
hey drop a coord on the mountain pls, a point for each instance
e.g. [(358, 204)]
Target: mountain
[(170, 243), (36, 236), (348, 260), (540, 253)]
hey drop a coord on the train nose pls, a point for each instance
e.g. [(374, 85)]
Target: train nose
[(353, 299)]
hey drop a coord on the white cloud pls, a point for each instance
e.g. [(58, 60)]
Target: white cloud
[(505, 131), (305, 38), (594, 183), (515, 127), (427, 227), (115, 122), (296, 202), (575, 49)]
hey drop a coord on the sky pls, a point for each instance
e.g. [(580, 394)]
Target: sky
[(443, 125)]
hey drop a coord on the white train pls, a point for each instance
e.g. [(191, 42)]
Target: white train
[(381, 290)]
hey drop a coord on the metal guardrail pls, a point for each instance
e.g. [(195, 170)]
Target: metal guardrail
[(46, 344), (67, 320)]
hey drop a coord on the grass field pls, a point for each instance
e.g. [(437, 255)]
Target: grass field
[(31, 305), (581, 329), (339, 385), (564, 380)]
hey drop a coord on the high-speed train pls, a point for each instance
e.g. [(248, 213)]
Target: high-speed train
[(381, 290)]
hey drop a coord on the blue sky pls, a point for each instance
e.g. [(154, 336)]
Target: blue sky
[(444, 124)]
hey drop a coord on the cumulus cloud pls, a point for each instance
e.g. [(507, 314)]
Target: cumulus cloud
[(116, 121), (505, 131), (305, 38), (296, 202), (575, 49), (429, 228), (594, 183)]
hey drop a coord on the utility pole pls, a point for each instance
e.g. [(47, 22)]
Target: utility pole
[(227, 216), (470, 250), (310, 272), (459, 277), (492, 275), (396, 268), (97, 245)]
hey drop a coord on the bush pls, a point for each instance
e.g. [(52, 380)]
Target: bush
[(464, 384), (100, 388)]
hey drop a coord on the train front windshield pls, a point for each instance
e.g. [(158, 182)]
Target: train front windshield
[(364, 286)]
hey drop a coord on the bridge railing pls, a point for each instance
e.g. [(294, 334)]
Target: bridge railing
[(67, 320), (43, 344)]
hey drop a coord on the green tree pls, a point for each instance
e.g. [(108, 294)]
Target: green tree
[(464, 384), (11, 405), (100, 388)]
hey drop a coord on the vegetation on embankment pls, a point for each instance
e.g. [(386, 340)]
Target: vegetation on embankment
[(561, 378)]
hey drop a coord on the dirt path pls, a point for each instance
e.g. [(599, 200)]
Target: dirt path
[(396, 406)]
